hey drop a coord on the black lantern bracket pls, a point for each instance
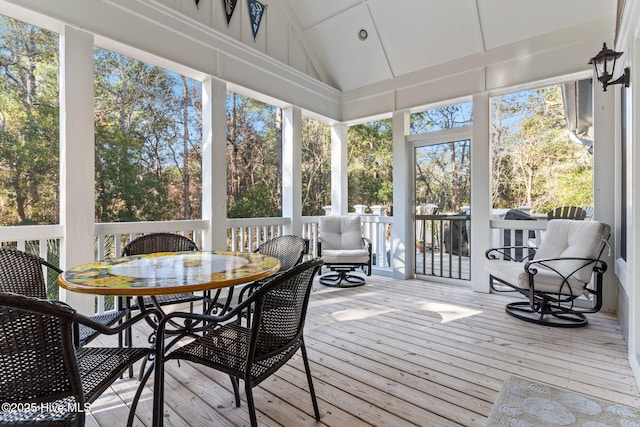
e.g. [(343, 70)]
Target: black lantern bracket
[(604, 64)]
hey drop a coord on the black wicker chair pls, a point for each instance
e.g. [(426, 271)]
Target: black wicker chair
[(23, 273), (289, 249), (162, 242), (45, 379), (278, 308)]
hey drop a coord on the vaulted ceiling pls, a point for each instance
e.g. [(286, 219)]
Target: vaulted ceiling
[(405, 36)]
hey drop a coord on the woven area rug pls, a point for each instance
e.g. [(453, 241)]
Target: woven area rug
[(524, 403)]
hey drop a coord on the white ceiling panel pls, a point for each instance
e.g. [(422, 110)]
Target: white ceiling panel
[(421, 34), (349, 61), (508, 21), (310, 13)]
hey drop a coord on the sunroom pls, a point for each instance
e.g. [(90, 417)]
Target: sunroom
[(338, 65)]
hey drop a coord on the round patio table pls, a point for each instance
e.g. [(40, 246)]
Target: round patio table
[(168, 273)]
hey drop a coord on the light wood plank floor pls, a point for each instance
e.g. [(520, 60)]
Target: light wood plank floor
[(396, 353)]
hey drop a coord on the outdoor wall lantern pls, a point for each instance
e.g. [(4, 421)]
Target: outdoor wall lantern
[(605, 64)]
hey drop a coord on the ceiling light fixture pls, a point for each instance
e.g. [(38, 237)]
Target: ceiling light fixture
[(362, 34), (604, 63)]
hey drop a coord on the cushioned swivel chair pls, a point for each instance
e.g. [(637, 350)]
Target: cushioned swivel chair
[(562, 279), (343, 250)]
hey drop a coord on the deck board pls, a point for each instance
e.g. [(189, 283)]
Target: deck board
[(396, 353)]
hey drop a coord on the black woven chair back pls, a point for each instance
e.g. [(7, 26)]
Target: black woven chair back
[(159, 242), (22, 273), (37, 356), (280, 309), (289, 249)]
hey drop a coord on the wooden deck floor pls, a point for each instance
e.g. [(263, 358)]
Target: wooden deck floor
[(397, 353)]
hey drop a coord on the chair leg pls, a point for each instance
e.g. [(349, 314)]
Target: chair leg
[(252, 408), (134, 403), (236, 390), (316, 411)]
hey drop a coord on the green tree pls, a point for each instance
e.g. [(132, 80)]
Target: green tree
[(534, 161), (148, 133), (29, 124), (253, 158), (316, 167), (370, 163)]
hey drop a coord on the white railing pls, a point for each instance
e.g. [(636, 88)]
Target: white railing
[(41, 240), (243, 234), (510, 232), (20, 237), (378, 230), (247, 234), (113, 236)]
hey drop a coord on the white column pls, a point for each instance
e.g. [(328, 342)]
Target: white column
[(604, 140), (480, 192), (214, 163), (339, 172), (77, 159), (403, 200), (633, 219), (292, 169)]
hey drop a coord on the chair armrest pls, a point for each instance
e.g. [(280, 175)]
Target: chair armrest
[(64, 310), (367, 242), (208, 321), (505, 253), (531, 267), (112, 330)]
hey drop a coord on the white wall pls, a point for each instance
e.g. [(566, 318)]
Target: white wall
[(629, 42)]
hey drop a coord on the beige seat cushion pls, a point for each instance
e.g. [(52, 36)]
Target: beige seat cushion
[(349, 256)]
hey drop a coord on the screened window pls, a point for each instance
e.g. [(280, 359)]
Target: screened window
[(29, 124), (452, 116), (541, 148), (148, 141), (254, 158), (316, 166), (370, 164)]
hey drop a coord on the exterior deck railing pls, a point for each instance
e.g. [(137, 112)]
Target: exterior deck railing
[(442, 246), (247, 234)]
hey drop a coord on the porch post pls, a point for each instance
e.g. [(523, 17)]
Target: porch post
[(604, 140), (480, 192), (402, 235), (339, 173), (214, 163), (77, 159), (292, 169)]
